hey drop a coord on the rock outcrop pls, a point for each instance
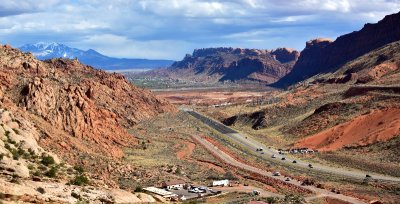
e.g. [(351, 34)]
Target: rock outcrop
[(233, 64), (323, 56), (73, 105), (285, 55)]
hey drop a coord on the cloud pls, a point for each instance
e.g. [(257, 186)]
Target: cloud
[(153, 28), (120, 46), (15, 7)]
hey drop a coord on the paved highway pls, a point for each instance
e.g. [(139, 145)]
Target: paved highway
[(252, 145), (233, 162)]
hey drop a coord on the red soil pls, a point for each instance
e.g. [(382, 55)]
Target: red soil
[(187, 151), (379, 125)]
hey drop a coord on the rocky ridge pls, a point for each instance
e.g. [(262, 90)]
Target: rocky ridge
[(87, 104), (322, 55), (234, 64)]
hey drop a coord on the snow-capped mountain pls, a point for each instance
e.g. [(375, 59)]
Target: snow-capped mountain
[(45, 50)]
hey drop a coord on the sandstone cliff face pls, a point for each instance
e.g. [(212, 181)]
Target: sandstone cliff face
[(237, 64), (285, 55), (322, 56), (73, 105)]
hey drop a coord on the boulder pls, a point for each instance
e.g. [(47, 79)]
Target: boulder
[(14, 167)]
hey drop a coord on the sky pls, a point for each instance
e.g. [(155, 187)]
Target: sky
[(168, 29)]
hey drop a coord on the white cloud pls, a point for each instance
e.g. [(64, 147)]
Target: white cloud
[(171, 28), (120, 46)]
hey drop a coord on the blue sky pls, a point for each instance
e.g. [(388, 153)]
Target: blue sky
[(168, 29)]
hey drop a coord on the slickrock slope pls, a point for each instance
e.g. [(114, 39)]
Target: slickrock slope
[(75, 107), (25, 177), (322, 55), (234, 64)]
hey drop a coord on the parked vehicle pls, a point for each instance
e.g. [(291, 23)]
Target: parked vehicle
[(256, 192), (273, 156), (310, 165), (276, 173), (283, 158), (294, 162), (287, 179)]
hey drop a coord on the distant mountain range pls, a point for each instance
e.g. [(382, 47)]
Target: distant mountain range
[(90, 57)]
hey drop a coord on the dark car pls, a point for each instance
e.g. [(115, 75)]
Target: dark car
[(294, 162), (310, 165), (283, 158)]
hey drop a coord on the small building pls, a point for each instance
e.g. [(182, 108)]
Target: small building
[(161, 192), (173, 184), (221, 183)]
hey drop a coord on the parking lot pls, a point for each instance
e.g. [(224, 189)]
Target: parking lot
[(191, 195)]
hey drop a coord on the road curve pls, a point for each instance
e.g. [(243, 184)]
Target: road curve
[(252, 145), (233, 162)]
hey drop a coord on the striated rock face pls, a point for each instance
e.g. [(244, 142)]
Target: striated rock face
[(74, 105), (237, 64), (322, 55)]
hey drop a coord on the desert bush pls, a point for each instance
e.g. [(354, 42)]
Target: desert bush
[(272, 200), (47, 160), (79, 169), (293, 199), (138, 189), (79, 180), (1, 157), (41, 190), (16, 131), (52, 173), (229, 175), (14, 179), (37, 174), (75, 195)]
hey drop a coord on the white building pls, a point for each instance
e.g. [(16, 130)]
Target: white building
[(173, 184), (221, 183)]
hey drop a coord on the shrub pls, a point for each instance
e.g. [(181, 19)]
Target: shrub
[(31, 152), (138, 189), (47, 160), (228, 175), (41, 190), (75, 195), (79, 169), (80, 180), (37, 173), (15, 153), (14, 179), (293, 199), (8, 147), (1, 157), (52, 173), (272, 200), (178, 171), (16, 131)]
